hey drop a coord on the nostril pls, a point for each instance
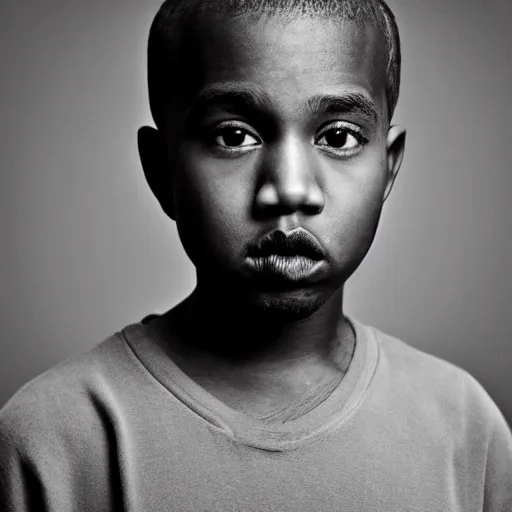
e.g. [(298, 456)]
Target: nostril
[(277, 198), (313, 209)]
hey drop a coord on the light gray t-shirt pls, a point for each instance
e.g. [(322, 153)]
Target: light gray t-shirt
[(122, 428)]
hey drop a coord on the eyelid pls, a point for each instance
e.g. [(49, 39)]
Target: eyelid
[(353, 130), (236, 124), (350, 127)]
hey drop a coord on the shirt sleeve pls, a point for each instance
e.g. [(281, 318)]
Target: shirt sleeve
[(498, 476), (20, 489)]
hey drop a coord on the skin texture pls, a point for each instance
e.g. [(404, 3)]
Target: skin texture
[(280, 170)]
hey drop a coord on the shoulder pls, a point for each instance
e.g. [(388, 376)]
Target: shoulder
[(57, 431), (439, 386), (60, 402), (445, 407)]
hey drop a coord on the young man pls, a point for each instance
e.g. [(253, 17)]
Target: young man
[(274, 154)]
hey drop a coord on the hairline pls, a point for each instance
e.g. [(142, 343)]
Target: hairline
[(194, 11)]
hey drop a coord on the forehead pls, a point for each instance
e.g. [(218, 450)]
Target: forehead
[(291, 59)]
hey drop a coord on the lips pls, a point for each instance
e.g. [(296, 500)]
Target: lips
[(293, 256), (298, 242)]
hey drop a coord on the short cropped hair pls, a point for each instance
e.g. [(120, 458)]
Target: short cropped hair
[(175, 16)]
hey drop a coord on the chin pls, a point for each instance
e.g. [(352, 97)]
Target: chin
[(289, 306)]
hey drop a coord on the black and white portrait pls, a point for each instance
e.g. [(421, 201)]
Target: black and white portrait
[(255, 256)]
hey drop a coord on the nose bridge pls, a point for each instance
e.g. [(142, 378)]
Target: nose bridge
[(291, 170), (289, 182)]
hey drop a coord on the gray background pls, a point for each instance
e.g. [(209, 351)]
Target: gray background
[(86, 250)]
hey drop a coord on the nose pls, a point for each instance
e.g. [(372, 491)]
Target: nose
[(289, 181)]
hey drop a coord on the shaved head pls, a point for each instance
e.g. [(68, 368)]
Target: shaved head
[(175, 17)]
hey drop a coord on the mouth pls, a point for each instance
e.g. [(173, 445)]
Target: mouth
[(293, 256), (290, 268)]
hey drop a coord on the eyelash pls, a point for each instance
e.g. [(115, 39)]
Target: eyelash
[(348, 128), (235, 125)]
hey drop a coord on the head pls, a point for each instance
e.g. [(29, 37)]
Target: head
[(273, 117)]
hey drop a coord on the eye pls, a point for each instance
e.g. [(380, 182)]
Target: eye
[(338, 138), (235, 137), (341, 140)]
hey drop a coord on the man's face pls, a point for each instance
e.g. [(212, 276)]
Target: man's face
[(279, 124)]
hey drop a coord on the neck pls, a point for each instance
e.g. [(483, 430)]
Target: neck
[(256, 363), (245, 337)]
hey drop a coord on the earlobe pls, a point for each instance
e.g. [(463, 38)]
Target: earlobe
[(395, 146), (153, 158)]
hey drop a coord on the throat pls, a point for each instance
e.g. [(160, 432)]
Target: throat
[(271, 391), (274, 373)]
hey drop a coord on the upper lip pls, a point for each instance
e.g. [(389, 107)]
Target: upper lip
[(298, 242)]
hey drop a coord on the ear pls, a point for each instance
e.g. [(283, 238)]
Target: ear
[(395, 146), (156, 169)]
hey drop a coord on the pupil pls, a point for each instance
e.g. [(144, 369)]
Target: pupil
[(336, 138), (233, 137)]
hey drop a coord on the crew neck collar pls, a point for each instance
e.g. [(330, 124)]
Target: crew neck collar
[(147, 340)]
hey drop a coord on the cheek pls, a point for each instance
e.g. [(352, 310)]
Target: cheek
[(210, 211), (357, 206)]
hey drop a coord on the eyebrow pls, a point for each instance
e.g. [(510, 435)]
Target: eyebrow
[(244, 96), (251, 97), (349, 103)]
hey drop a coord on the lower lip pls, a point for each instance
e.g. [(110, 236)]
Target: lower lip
[(290, 268)]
